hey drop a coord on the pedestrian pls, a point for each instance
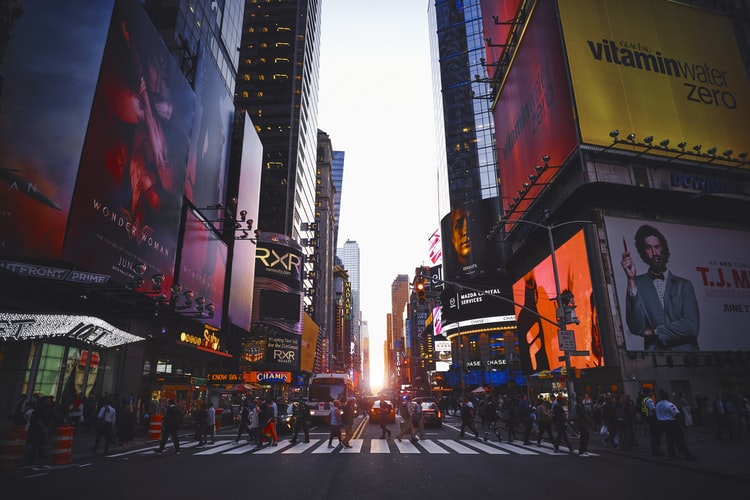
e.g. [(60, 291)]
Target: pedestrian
[(686, 410), (417, 419), (244, 425), (211, 422), (560, 421), (648, 407), (492, 419), (35, 432), (106, 419), (609, 417), (511, 419), (301, 415), (267, 424), (170, 427), (75, 413), (524, 414), (126, 426), (335, 425), (407, 426), (385, 415), (347, 419), (467, 419), (544, 421), (667, 414), (255, 410), (584, 423), (201, 421)]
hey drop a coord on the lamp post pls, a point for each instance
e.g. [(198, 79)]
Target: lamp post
[(565, 305)]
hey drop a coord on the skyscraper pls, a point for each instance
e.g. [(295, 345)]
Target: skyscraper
[(277, 85), (349, 255)]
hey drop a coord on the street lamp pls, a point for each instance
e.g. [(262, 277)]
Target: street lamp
[(565, 310)]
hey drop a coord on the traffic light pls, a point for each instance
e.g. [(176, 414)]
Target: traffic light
[(419, 287)]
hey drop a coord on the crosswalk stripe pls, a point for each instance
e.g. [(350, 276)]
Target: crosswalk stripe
[(241, 449), (515, 449), (356, 446), (406, 447), (324, 448), (455, 446), (220, 447), (379, 446), (492, 450), (300, 447), (432, 447)]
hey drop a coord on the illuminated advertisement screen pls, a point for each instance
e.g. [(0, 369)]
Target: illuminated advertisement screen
[(656, 68), (533, 114), (127, 203), (467, 253), (706, 285), (467, 309), (47, 86), (248, 197), (538, 342), (205, 182), (203, 265)]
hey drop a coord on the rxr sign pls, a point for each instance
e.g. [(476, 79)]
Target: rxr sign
[(283, 356), (271, 259)]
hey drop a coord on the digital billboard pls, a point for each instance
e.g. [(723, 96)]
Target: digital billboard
[(538, 342), (205, 182), (705, 287), (479, 307), (656, 68), (47, 86), (533, 114), (467, 252), (203, 264), (127, 202), (243, 258)]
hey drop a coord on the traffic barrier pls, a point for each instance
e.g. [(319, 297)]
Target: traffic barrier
[(62, 445), (154, 427), (11, 450), (219, 411)]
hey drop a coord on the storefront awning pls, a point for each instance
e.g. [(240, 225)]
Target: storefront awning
[(87, 329)]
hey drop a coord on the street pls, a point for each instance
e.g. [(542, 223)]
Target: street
[(437, 467)]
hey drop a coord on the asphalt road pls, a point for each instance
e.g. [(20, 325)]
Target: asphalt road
[(441, 466)]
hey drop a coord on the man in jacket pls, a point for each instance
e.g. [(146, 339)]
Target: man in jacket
[(170, 427)]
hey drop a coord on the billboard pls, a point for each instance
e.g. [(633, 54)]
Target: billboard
[(205, 181), (467, 252), (127, 203), (533, 115), (497, 23), (47, 86), (706, 302), (248, 197), (538, 342), (203, 264), (478, 308), (656, 68)]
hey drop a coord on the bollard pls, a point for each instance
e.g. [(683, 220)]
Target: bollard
[(62, 445), (11, 450), (219, 411), (154, 427)]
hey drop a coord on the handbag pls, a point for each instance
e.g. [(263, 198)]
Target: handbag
[(604, 431)]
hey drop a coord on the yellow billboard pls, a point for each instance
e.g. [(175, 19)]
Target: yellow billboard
[(654, 67)]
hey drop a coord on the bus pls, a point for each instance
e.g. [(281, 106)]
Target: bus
[(323, 389)]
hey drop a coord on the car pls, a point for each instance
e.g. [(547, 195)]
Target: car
[(431, 414), (285, 422), (376, 415)]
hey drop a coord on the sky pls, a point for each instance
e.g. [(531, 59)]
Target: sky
[(375, 103)]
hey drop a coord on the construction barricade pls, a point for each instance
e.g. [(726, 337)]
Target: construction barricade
[(62, 445), (11, 450), (154, 427), (219, 411)]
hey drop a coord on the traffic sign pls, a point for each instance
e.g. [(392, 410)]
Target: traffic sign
[(567, 340)]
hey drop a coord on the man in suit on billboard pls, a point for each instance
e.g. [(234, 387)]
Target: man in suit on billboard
[(659, 306)]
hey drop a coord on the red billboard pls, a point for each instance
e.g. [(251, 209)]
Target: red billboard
[(537, 331), (534, 113), (47, 84), (497, 22), (127, 202), (203, 263)]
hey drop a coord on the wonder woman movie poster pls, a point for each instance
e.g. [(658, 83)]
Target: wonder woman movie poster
[(49, 64), (537, 329), (203, 265), (128, 196)]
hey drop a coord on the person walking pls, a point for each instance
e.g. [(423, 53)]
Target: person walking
[(201, 420), (407, 426), (385, 414), (417, 419), (301, 415), (544, 421), (267, 424), (210, 423), (654, 430), (126, 426), (467, 419), (244, 425), (560, 421), (584, 423), (667, 414), (347, 418), (492, 419), (524, 413), (106, 419), (170, 427), (335, 426)]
